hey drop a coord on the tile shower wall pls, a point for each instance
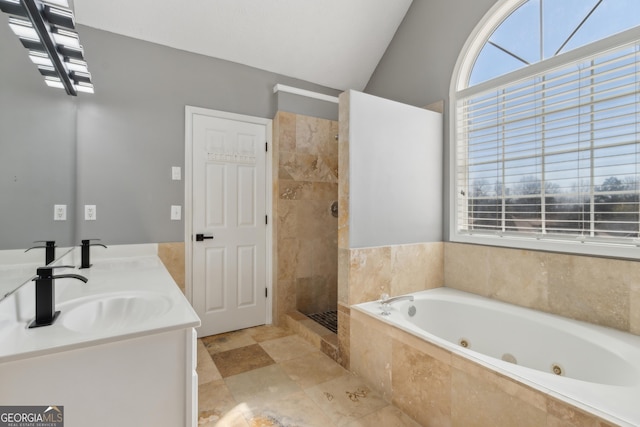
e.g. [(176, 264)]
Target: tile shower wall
[(305, 170), (596, 290)]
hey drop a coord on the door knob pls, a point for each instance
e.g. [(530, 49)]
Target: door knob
[(201, 237)]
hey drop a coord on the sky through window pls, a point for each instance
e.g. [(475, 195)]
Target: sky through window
[(542, 29)]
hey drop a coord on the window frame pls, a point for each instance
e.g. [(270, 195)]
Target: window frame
[(458, 89)]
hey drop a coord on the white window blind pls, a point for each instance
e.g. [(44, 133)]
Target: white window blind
[(556, 154)]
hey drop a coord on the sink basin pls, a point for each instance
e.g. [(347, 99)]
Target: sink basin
[(113, 312)]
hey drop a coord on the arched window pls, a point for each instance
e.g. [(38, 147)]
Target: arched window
[(546, 128)]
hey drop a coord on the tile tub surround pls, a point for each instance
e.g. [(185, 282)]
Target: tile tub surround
[(288, 383), (305, 168), (596, 290), (366, 273), (436, 387)]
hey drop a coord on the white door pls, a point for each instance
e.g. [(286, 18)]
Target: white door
[(228, 252)]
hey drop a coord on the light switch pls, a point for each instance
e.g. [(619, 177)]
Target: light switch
[(90, 212), (176, 212), (59, 212), (176, 173)]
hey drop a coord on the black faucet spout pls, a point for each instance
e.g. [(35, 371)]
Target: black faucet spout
[(50, 250), (70, 276), (46, 313)]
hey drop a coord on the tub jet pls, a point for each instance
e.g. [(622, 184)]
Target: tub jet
[(508, 357)]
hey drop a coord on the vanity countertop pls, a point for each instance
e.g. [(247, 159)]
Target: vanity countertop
[(129, 293)]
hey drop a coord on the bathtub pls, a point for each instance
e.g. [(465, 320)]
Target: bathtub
[(591, 367)]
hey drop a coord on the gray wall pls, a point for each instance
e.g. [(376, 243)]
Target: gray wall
[(392, 146), (417, 67), (131, 131)]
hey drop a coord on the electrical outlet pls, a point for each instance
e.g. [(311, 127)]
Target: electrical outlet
[(176, 212), (90, 212), (59, 212), (176, 173)]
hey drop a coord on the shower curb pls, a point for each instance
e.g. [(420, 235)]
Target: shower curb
[(314, 333)]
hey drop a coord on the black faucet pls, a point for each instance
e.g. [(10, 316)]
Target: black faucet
[(50, 250), (86, 253), (46, 312)]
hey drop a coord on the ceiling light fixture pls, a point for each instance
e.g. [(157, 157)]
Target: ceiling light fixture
[(46, 29)]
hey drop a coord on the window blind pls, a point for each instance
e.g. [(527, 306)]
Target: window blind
[(556, 154)]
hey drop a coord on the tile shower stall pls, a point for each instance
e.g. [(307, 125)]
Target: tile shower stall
[(305, 188)]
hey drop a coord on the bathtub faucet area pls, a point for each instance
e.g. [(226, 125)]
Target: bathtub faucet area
[(386, 301)]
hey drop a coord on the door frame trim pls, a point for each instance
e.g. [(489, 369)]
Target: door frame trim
[(191, 111)]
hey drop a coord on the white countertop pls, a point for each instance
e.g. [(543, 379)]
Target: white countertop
[(118, 272), (18, 266)]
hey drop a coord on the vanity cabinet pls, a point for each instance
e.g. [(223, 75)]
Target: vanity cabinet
[(144, 381), (121, 353)]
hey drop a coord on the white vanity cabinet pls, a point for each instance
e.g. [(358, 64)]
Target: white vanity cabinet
[(121, 353), (144, 381)]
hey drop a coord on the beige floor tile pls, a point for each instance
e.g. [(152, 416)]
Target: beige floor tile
[(273, 395), (261, 385), (287, 348), (293, 411), (206, 369), (233, 418), (312, 369), (389, 416), (214, 401), (228, 341), (345, 399), (268, 332), (243, 359)]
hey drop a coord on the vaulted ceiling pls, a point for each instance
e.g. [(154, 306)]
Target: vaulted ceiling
[(335, 43)]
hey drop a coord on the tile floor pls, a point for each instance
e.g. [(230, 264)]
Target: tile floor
[(270, 377)]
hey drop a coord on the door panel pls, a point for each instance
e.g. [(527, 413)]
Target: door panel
[(229, 197), (246, 278), (216, 197), (246, 196), (215, 272)]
